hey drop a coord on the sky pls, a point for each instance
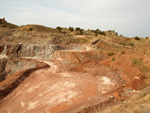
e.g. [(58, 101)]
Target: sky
[(127, 17)]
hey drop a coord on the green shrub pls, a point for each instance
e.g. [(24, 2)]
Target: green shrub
[(122, 100), (137, 62), (122, 52), (30, 29), (71, 29), (122, 43), (4, 25), (147, 37), (113, 59), (145, 69), (131, 44), (136, 38), (59, 28), (110, 54), (116, 33), (97, 31), (78, 29)]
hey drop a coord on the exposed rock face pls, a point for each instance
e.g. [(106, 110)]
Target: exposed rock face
[(43, 52), (2, 70), (10, 66)]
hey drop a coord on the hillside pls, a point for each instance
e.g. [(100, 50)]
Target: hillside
[(71, 70)]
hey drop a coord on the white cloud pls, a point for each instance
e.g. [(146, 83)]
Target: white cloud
[(129, 18)]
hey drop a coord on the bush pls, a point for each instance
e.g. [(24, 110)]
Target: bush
[(145, 69), (122, 43), (147, 37), (131, 44), (122, 100), (137, 62), (137, 38), (97, 31), (4, 25), (113, 59), (71, 29), (59, 28), (122, 52), (30, 29), (78, 29), (110, 54)]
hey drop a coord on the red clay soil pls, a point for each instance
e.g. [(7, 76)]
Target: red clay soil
[(129, 70), (56, 89)]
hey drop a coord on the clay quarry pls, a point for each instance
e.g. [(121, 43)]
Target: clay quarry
[(72, 70)]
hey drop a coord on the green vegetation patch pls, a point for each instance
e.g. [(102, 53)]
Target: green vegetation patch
[(122, 43), (97, 31), (137, 62), (145, 69), (122, 52), (113, 59), (131, 44), (110, 54)]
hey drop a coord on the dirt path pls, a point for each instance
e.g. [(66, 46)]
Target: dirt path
[(54, 90)]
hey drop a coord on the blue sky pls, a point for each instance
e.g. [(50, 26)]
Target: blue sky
[(127, 17)]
